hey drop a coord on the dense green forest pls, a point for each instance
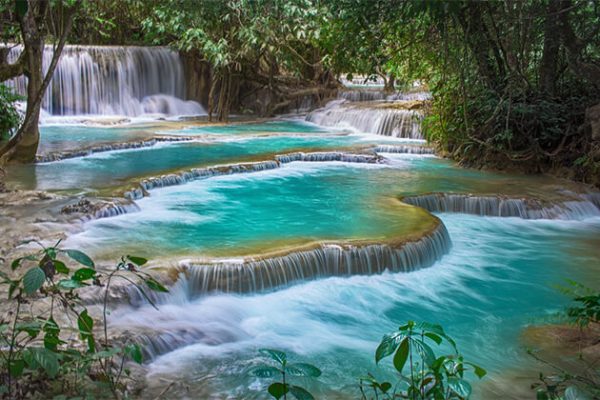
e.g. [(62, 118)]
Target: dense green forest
[(514, 83)]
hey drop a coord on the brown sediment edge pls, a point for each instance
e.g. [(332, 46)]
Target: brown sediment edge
[(313, 260), (57, 156), (574, 206), (145, 185)]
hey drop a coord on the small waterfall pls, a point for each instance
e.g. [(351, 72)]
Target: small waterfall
[(100, 209), (404, 149), (202, 173), (330, 156), (498, 206), (112, 80), (325, 260), (380, 120), (361, 95), (57, 156)]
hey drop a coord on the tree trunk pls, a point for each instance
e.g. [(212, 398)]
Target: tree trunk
[(22, 148), (549, 63)]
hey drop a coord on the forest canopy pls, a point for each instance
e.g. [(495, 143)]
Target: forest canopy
[(512, 81)]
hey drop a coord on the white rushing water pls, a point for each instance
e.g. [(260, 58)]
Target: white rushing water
[(113, 80), (393, 122)]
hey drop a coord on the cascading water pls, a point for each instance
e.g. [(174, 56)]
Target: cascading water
[(386, 121), (111, 80)]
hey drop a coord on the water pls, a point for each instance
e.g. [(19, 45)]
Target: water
[(114, 80), (240, 214), (498, 278), (107, 169)]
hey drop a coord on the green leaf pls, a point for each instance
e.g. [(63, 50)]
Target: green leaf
[(139, 261), (153, 284), (388, 345), (32, 328), (425, 352), (459, 386), (480, 372), (135, 352), (16, 368), (80, 257), (276, 355), (278, 390), (265, 371), (70, 284), (303, 369), (33, 280), (301, 393), (60, 267), (40, 357), (574, 393), (17, 263), (385, 386), (436, 338), (83, 274), (86, 327), (401, 355)]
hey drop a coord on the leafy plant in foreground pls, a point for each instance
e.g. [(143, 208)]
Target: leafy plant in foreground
[(281, 389), (49, 341), (422, 374), (585, 382)]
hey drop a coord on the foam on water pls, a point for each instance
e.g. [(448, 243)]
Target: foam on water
[(497, 278)]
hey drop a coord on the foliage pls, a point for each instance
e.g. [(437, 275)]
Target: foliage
[(9, 115), (50, 342), (422, 374), (280, 389), (588, 311), (582, 381)]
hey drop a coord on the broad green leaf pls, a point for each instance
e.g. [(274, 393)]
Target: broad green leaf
[(424, 351), (155, 285), (135, 352), (480, 372), (32, 328), (459, 386), (276, 355), (278, 390), (265, 371), (85, 322), (16, 368), (436, 338), (83, 274), (17, 262), (303, 369), (401, 355), (301, 393), (70, 284), (388, 345), (40, 357), (385, 386), (33, 280), (80, 257), (139, 261), (60, 267)]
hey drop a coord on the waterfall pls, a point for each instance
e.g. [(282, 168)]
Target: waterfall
[(498, 206), (384, 119), (112, 80), (88, 209), (325, 260), (360, 95), (228, 169), (404, 149)]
